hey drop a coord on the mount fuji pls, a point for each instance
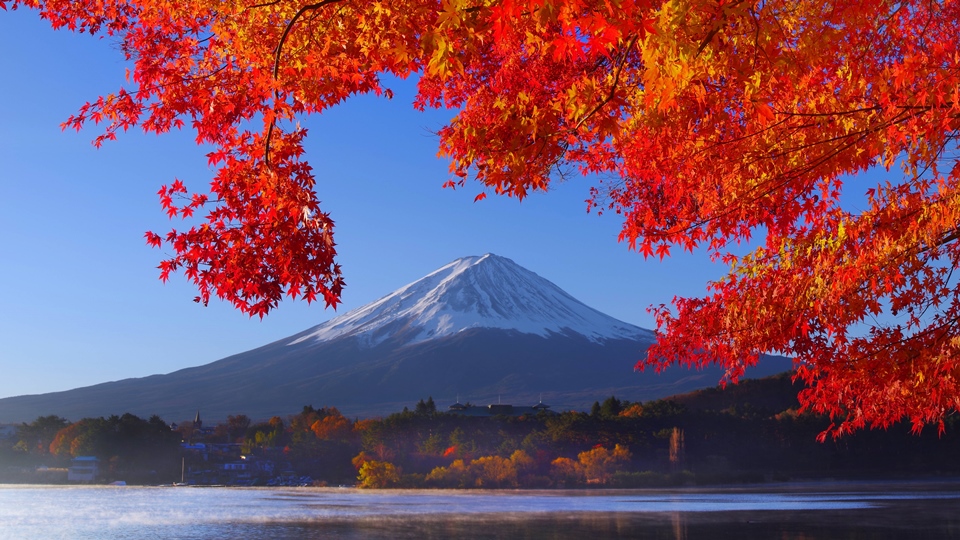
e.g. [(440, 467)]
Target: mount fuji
[(474, 292), (478, 329)]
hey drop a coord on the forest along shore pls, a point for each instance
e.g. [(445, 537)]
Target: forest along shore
[(745, 433)]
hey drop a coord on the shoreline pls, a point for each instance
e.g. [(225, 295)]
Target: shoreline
[(832, 485)]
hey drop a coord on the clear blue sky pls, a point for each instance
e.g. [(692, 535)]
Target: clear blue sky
[(81, 302)]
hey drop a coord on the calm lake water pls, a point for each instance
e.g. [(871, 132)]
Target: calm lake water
[(821, 511)]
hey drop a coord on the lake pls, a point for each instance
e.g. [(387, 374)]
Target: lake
[(803, 511)]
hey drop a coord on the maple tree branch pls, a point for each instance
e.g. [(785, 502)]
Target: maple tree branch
[(276, 66), (760, 191), (153, 87), (199, 76), (828, 114), (752, 197), (713, 32), (921, 108), (265, 4), (944, 326), (613, 86), (859, 136), (931, 302)]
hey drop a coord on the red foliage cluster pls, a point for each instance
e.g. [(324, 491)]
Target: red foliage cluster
[(708, 123)]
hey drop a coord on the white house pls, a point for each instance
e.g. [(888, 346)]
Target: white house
[(82, 469)]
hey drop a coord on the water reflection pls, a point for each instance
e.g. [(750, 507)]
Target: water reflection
[(674, 526), (679, 527), (103, 513)]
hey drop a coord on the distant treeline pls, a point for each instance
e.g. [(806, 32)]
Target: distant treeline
[(129, 447), (749, 432)]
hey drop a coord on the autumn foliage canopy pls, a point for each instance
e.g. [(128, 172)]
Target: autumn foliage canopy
[(740, 127)]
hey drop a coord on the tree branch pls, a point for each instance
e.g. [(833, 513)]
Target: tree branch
[(265, 4), (276, 64), (613, 87)]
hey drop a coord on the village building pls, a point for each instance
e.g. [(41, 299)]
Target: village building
[(83, 469), (498, 409)]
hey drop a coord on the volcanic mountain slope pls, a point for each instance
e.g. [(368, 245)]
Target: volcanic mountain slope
[(475, 292), (478, 329)]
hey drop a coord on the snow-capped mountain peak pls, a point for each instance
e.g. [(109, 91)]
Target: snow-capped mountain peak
[(474, 292)]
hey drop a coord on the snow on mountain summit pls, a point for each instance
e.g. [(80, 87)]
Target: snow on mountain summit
[(474, 292)]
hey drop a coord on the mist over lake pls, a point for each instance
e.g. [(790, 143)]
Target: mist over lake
[(812, 511)]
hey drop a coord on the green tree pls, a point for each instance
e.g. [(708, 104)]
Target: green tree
[(38, 435), (595, 409), (426, 408), (264, 435), (611, 407)]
